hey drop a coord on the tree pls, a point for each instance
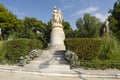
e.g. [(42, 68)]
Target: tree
[(8, 21), (47, 31), (68, 30), (114, 19), (34, 28), (88, 26)]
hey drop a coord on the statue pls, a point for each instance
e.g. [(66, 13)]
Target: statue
[(57, 16), (57, 33), (106, 28)]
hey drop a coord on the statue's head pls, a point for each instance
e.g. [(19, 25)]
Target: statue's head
[(55, 7)]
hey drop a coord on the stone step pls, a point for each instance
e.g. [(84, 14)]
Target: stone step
[(60, 55), (46, 66), (59, 62), (49, 62), (59, 52)]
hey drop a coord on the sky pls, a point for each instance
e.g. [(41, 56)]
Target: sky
[(71, 9)]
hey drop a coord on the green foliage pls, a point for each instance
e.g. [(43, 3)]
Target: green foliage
[(69, 33), (16, 49), (47, 31), (71, 57), (2, 51), (8, 21), (105, 54), (99, 64), (110, 49), (114, 19), (88, 26), (20, 47), (33, 27), (35, 44), (85, 48)]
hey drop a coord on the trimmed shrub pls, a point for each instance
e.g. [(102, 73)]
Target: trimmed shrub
[(20, 47), (85, 48), (99, 64)]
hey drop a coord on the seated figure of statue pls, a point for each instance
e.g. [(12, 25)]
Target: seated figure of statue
[(57, 16)]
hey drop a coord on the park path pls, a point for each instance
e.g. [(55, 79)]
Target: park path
[(25, 76), (54, 67)]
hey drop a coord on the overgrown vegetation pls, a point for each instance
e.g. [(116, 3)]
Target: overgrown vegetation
[(107, 57), (114, 19), (110, 49)]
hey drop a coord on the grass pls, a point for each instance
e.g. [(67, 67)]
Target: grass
[(110, 49)]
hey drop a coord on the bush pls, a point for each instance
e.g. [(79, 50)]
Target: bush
[(2, 52), (35, 44), (17, 48), (99, 64), (33, 54), (85, 48), (20, 47), (72, 58)]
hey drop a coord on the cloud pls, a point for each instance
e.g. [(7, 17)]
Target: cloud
[(69, 6), (87, 10), (103, 17)]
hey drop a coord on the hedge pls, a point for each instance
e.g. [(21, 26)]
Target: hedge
[(98, 64), (20, 47), (85, 48)]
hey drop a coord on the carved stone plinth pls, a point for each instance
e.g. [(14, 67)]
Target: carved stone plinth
[(57, 39)]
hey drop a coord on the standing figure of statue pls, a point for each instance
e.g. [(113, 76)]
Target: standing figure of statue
[(106, 28), (57, 17)]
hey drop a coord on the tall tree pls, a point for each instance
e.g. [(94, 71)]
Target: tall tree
[(8, 21), (34, 28), (114, 19), (88, 26)]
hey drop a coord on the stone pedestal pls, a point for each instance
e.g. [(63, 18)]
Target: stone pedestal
[(57, 38), (57, 34)]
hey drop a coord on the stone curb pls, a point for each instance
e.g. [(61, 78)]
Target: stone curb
[(77, 75)]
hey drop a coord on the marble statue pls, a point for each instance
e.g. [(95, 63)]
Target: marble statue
[(57, 33), (106, 28), (57, 17)]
